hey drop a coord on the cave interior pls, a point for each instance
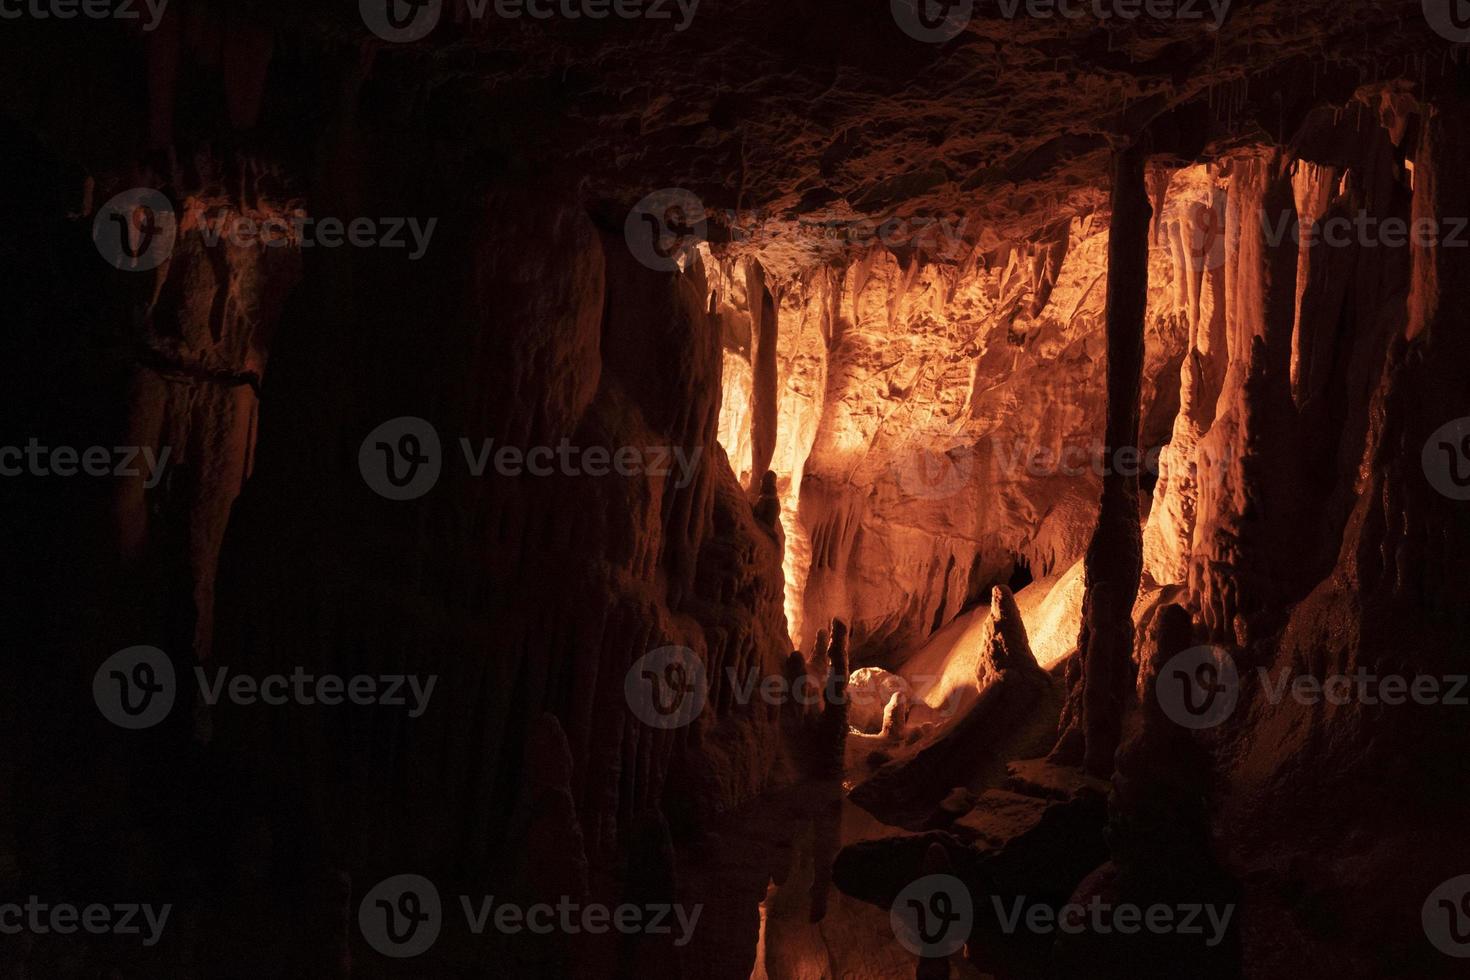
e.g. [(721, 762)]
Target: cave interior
[(868, 481)]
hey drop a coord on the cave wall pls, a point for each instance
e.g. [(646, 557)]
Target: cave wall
[(941, 425), (1300, 513), (524, 596), (264, 369), (1393, 575)]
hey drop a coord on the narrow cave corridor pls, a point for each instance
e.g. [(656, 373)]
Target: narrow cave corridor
[(756, 492)]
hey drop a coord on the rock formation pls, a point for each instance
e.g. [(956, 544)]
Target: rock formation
[(1101, 680)]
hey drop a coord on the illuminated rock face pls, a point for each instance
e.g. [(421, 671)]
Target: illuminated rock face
[(939, 427)]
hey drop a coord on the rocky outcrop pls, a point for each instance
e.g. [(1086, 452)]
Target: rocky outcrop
[(1392, 579), (870, 691), (1299, 502), (908, 791), (1003, 642), (572, 594), (940, 428)]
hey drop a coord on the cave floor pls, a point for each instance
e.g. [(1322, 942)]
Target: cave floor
[(763, 873)]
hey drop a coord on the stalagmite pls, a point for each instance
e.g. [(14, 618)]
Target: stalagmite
[(768, 505), (833, 728), (1003, 642)]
